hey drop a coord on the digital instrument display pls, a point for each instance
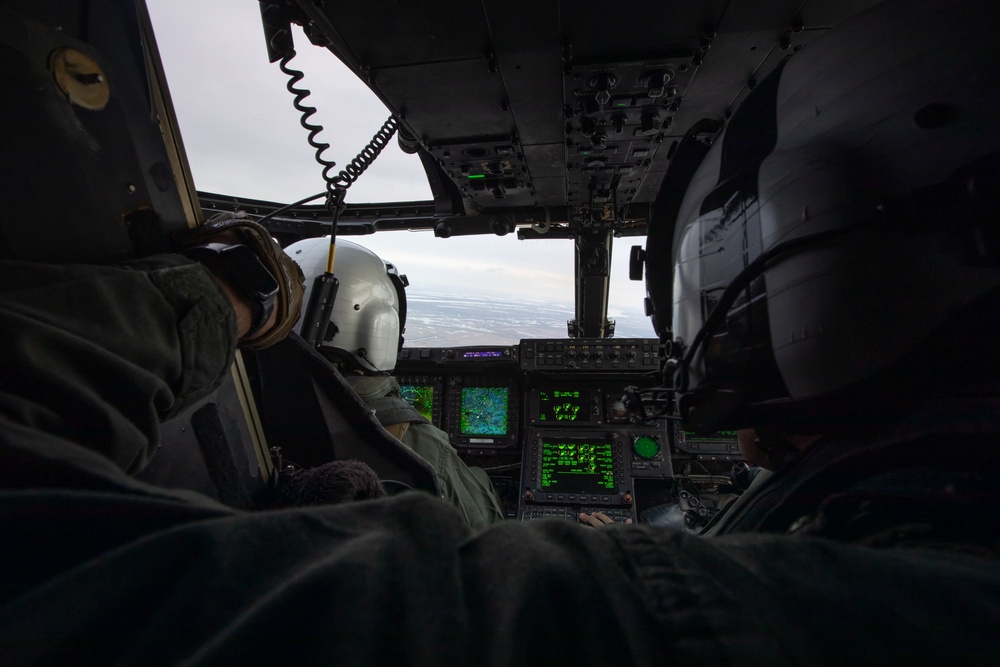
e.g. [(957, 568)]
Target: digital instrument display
[(480, 354), (693, 436), (421, 397), (563, 406), (577, 465), (719, 443), (484, 411), (646, 447)]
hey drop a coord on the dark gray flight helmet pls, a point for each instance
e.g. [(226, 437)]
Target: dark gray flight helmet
[(846, 214)]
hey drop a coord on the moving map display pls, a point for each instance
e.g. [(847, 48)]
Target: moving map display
[(421, 397), (577, 466), (484, 411)]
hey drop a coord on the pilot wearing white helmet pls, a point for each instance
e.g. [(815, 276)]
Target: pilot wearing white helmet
[(362, 338)]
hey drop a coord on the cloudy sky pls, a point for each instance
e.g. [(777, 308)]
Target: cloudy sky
[(243, 138)]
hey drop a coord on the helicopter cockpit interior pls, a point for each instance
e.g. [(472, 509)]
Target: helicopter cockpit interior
[(580, 121)]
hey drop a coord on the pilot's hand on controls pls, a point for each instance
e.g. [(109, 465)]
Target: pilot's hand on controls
[(598, 519)]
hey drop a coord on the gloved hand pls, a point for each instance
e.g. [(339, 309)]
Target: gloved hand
[(291, 282)]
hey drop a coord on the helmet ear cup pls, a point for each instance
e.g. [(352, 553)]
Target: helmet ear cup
[(377, 336)]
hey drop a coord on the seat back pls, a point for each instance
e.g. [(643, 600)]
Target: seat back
[(310, 412)]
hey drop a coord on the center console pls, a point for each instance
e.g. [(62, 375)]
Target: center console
[(548, 422)]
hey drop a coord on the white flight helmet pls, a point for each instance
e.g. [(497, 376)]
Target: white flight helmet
[(369, 313)]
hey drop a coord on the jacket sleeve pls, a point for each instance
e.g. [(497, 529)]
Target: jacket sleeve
[(402, 581), (100, 354), (467, 488)]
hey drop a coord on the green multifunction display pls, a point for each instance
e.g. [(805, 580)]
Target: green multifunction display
[(577, 466), (421, 398), (484, 411), (563, 405)]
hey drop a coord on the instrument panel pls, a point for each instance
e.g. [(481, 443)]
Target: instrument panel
[(548, 421)]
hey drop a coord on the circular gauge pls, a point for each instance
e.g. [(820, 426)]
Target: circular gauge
[(646, 447)]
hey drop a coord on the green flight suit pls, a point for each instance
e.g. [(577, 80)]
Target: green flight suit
[(468, 488)]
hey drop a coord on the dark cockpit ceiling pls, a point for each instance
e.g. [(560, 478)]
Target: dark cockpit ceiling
[(577, 119), (563, 112)]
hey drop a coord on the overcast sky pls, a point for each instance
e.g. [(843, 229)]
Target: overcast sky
[(243, 138)]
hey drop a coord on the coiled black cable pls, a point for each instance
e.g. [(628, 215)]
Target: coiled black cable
[(325, 285), (364, 159), (299, 94), (337, 185)]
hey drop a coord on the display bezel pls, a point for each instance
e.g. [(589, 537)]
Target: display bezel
[(532, 470), (464, 438), (558, 473), (464, 406)]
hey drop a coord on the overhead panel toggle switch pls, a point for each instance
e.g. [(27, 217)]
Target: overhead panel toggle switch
[(650, 123), (602, 85), (656, 81)]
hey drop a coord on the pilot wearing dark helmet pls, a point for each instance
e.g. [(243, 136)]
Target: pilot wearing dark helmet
[(835, 282), (834, 289)]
